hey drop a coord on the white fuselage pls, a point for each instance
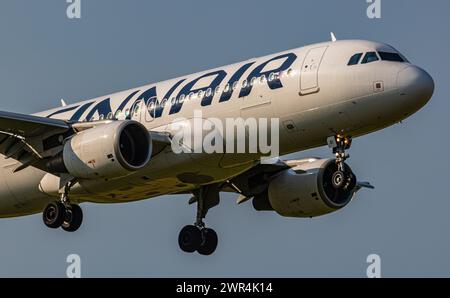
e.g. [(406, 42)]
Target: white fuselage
[(311, 90)]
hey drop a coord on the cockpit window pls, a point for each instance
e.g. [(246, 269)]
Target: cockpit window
[(369, 57), (354, 59), (391, 57)]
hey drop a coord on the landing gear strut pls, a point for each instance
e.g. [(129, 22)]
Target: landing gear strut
[(343, 177), (62, 213), (198, 237)]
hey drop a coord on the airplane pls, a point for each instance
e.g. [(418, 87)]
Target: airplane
[(119, 148)]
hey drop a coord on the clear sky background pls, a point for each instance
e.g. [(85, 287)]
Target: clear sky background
[(117, 45)]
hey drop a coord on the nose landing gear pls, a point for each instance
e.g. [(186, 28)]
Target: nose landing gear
[(343, 178), (62, 213), (197, 237)]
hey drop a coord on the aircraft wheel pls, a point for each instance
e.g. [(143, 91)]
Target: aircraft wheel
[(54, 214), (338, 179), (209, 243), (73, 218), (190, 238)]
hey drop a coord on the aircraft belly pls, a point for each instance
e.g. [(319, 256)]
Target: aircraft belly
[(168, 173)]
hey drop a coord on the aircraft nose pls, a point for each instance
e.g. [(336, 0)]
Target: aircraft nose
[(416, 85)]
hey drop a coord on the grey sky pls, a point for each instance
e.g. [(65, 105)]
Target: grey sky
[(122, 44)]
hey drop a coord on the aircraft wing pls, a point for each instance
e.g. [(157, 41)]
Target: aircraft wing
[(22, 137), (27, 125), (31, 139)]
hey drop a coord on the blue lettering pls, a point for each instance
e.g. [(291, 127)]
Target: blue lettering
[(236, 77), (219, 76), (145, 97), (258, 72), (62, 111), (77, 115), (124, 103), (102, 108), (157, 108)]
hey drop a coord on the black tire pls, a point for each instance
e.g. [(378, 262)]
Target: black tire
[(190, 238), (54, 214), (73, 219), (209, 243), (338, 179)]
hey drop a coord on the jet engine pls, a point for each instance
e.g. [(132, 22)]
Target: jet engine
[(109, 150), (307, 189)]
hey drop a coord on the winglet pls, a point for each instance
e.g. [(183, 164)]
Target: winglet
[(63, 103), (333, 37)]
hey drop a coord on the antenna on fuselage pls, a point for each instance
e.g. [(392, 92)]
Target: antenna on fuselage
[(63, 103), (333, 37)]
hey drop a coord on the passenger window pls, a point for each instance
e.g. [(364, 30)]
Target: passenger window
[(208, 92), (151, 107), (391, 57), (137, 107), (200, 94), (244, 84), (253, 81), (271, 77), (217, 90), (118, 112), (227, 88), (235, 85), (369, 57), (354, 59), (262, 79), (181, 100)]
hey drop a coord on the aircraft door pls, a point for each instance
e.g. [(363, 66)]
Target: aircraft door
[(309, 75)]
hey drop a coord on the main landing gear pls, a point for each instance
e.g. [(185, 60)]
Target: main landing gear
[(62, 213), (343, 177), (198, 237)]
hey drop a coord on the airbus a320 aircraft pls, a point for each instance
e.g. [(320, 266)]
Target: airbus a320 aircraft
[(118, 148)]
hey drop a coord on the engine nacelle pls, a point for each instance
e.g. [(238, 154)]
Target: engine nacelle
[(306, 190), (109, 150)]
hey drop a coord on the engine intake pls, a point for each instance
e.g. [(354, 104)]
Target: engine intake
[(133, 148), (109, 150), (306, 190)]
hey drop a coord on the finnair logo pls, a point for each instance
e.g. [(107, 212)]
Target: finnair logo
[(217, 84)]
